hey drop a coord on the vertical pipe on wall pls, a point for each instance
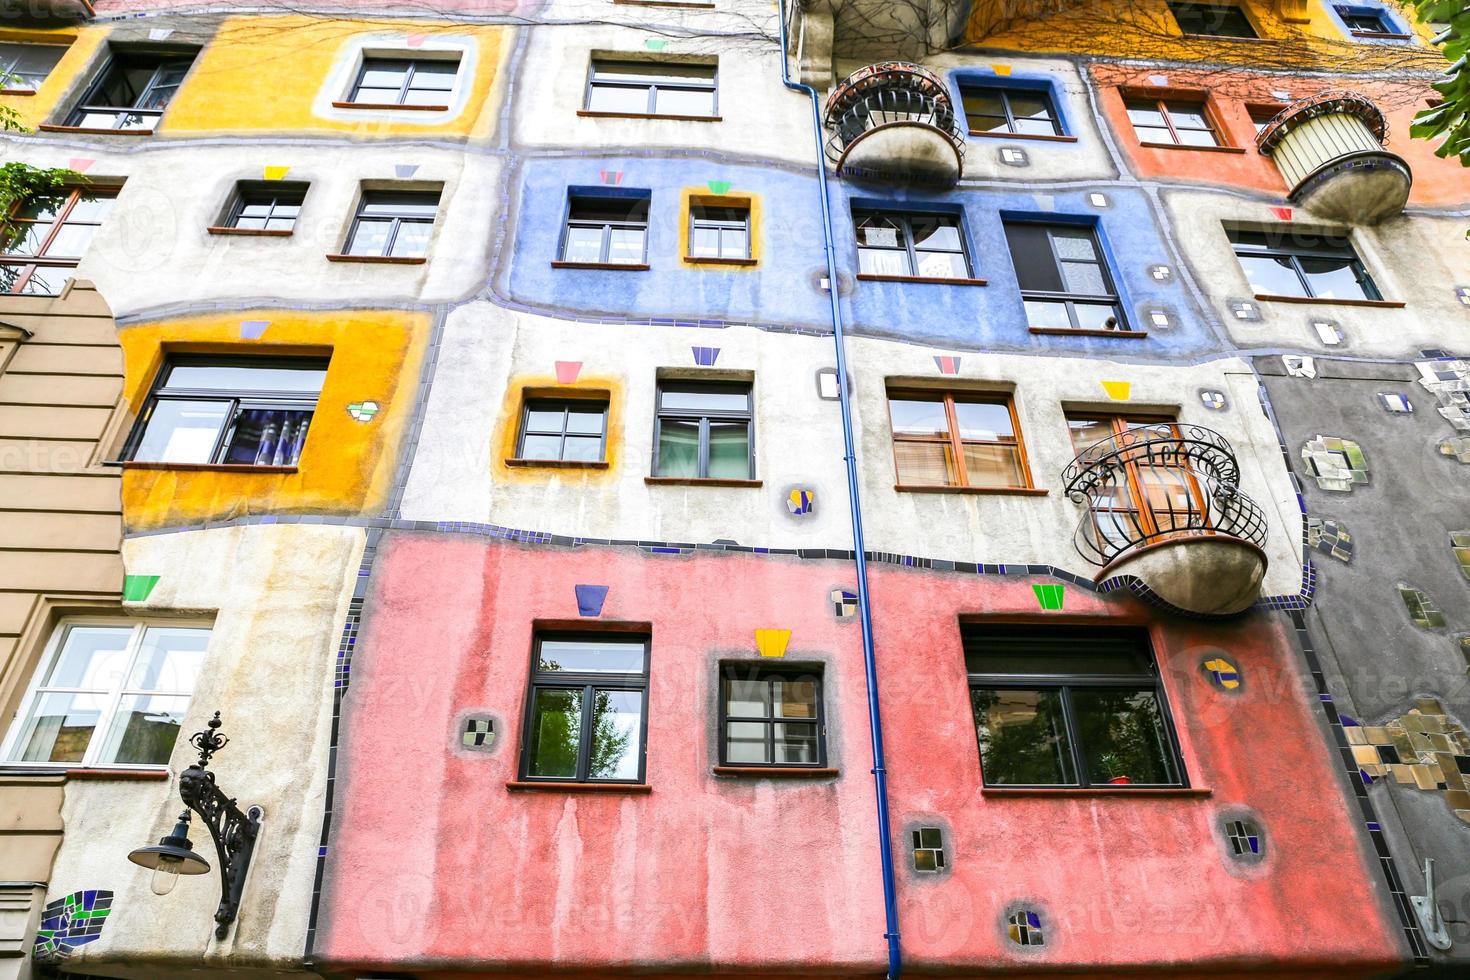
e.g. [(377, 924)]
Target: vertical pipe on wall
[(860, 558)]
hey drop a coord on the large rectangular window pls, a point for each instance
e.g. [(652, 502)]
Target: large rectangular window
[(570, 430), (1080, 707), (1172, 122), (1063, 276), (23, 67), (1015, 110), (586, 717), (704, 431), (240, 411), (396, 224), (771, 717), (51, 233), (1212, 20), (1291, 262), (420, 82), (109, 694), (945, 439), (891, 243), (132, 92), (651, 88), (606, 231)]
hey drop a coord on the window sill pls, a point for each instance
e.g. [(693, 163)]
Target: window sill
[(1075, 792), (999, 491), (31, 91), (559, 464), (667, 3), (1385, 304), (1075, 332), (777, 772), (1223, 37), (249, 232), (129, 464), (707, 260), (599, 114), (936, 280), (1381, 36), (12, 770), (693, 481), (93, 130), (535, 786), (618, 266), (1053, 138), (378, 259), (1181, 146), (388, 106)]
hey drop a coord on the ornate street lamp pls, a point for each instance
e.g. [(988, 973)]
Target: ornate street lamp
[(233, 830)]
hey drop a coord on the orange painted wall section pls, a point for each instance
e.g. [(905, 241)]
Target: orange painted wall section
[(346, 466)]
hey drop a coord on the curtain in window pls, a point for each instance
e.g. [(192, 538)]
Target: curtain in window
[(268, 437)]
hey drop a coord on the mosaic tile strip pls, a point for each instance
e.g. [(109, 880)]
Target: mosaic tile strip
[(1423, 748), (71, 921)]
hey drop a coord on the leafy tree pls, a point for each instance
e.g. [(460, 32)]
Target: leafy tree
[(1450, 120)]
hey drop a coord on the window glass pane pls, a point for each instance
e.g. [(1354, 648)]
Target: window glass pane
[(1031, 255), (984, 420), (1074, 244), (1152, 134), (541, 447), (1085, 278), (925, 464), (585, 420), (405, 204), (617, 98), (1121, 733), (653, 71), (735, 243), (144, 729), (1271, 276), (916, 417), (1088, 432), (435, 75), (878, 231), (71, 240), (1095, 316), (1197, 137), (1145, 114), (1023, 738), (1334, 279), (592, 656), (370, 237), (983, 102), (90, 208), (583, 449), (993, 466), (942, 265), (625, 246), (1022, 652), (678, 448), (935, 233), (1188, 117), (796, 745), (413, 239), (883, 262), (745, 742), (583, 245), (182, 431), (376, 96), (29, 239), (704, 399), (684, 102), (548, 419), (1037, 126), (794, 698), (60, 727), (91, 657), (425, 96), (1041, 313), (1032, 105), (29, 64), (747, 699), (556, 733), (245, 378), (169, 659), (617, 723), (705, 242), (729, 451), (382, 73), (267, 437)]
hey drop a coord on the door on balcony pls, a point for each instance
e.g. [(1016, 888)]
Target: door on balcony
[(1150, 489)]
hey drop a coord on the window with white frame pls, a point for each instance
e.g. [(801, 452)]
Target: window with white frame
[(109, 694)]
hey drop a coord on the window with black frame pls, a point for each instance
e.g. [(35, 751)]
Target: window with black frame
[(651, 88), (1367, 22), (422, 83), (570, 430), (1213, 20), (23, 67), (266, 206), (771, 716), (1016, 110), (586, 717), (704, 431), (1064, 277), (1294, 262), (606, 230), (131, 92), (393, 224), (238, 411), (1078, 707), (917, 245)]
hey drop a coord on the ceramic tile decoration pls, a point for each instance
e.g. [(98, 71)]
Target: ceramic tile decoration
[(1329, 538), (1215, 401), (1013, 156), (1160, 273), (71, 921), (1243, 309), (479, 733), (1098, 200), (363, 411), (1421, 608), (137, 588), (771, 642), (1395, 402), (1460, 545), (1024, 928), (1328, 332), (1246, 841), (1457, 448), (1222, 673), (1299, 366), (928, 849), (1423, 748), (1336, 464), (706, 356), (567, 371), (947, 364), (844, 603), (1050, 597), (590, 599), (1447, 378), (801, 502), (1118, 391), (1462, 293)]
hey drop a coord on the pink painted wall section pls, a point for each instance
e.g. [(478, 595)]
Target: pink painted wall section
[(437, 868)]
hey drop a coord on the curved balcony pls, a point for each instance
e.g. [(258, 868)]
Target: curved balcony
[(1164, 505), (894, 121), (1329, 148)]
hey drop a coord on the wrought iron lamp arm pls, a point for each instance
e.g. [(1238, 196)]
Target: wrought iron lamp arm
[(233, 830)]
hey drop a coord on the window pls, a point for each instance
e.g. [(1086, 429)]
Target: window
[(1064, 279), (422, 82), (1263, 113), (719, 232), (1172, 122), (771, 717), (1069, 708), (239, 411), (1020, 111), (605, 230), (928, 849), (109, 694), (1151, 494), (927, 246), (573, 430), (132, 92), (649, 88), (23, 67), (956, 440), (704, 431), (51, 234), (393, 224), (1291, 262), (1367, 22), (1212, 20), (585, 711), (268, 206)]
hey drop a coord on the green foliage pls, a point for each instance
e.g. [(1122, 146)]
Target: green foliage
[(21, 182), (1450, 121)]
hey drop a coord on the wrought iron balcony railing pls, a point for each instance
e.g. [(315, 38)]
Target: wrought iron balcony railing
[(894, 120)]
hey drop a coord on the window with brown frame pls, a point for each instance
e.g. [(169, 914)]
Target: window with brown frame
[(957, 439), (1174, 121), (1152, 493), (1263, 112), (50, 234)]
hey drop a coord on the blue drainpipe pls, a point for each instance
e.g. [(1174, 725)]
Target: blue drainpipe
[(865, 611)]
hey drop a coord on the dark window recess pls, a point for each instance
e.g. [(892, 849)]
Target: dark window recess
[(246, 411), (25, 66), (704, 431), (1022, 111), (1069, 708), (719, 232), (1366, 20), (266, 206), (1172, 121), (1212, 20), (393, 223), (418, 82), (1261, 115), (606, 230), (132, 92), (585, 709), (895, 244), (651, 88), (1291, 262), (571, 430), (771, 717), (49, 235), (928, 849), (1064, 279)]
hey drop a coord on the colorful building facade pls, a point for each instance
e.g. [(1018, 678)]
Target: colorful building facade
[(722, 488)]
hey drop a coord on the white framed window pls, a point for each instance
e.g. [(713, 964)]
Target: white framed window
[(108, 694)]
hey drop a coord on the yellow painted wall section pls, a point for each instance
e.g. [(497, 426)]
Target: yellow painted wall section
[(506, 439), (690, 196), (280, 74), (81, 46), (346, 466)]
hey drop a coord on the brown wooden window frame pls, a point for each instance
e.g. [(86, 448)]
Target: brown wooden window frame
[(955, 441), (29, 263), (1161, 103), (1145, 518)]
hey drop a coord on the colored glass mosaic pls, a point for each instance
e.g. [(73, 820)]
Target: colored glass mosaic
[(1298, 366), (479, 733), (1423, 748), (1447, 378), (1460, 545), (1050, 597), (844, 603), (1213, 400), (363, 411), (1422, 609), (1222, 673), (705, 356), (1329, 538), (801, 502), (928, 849), (1336, 464), (71, 921), (947, 364), (1458, 448), (1024, 928), (1245, 838)]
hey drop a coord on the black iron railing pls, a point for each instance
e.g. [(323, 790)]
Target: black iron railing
[(892, 93), (1156, 483)]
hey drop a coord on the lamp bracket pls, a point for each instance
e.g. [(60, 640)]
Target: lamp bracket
[(233, 830)]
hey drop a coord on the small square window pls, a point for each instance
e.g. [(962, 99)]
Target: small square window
[(928, 849), (771, 717), (1263, 113), (918, 245), (566, 430), (23, 67), (705, 431), (1366, 21), (396, 224), (651, 88), (265, 206), (1014, 110), (719, 232), (585, 709), (1212, 20), (423, 83), (606, 230)]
